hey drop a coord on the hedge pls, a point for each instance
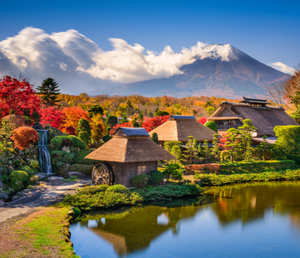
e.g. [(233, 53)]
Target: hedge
[(218, 180), (241, 167)]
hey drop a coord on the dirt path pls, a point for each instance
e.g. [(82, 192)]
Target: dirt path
[(40, 197)]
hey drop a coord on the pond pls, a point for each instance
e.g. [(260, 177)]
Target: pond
[(245, 220)]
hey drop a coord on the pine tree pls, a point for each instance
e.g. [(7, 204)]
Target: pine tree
[(154, 138), (215, 150), (49, 91)]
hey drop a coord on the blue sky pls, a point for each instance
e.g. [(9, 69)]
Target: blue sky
[(266, 30)]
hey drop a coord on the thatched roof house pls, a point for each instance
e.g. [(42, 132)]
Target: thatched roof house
[(263, 116), (130, 152), (179, 128)]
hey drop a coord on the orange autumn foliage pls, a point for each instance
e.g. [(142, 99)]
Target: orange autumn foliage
[(71, 117), (24, 136)]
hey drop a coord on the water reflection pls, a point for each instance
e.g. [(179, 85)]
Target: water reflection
[(133, 230)]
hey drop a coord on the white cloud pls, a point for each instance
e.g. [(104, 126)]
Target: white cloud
[(282, 67), (79, 65)]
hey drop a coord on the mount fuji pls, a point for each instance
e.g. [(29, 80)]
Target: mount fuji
[(220, 70)]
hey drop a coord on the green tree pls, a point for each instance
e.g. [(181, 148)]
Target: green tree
[(169, 144), (174, 171), (206, 151), (161, 113), (264, 148), (49, 91), (190, 155), (246, 131), (216, 150), (84, 131), (112, 121), (212, 125), (176, 152), (141, 117), (154, 138), (94, 110)]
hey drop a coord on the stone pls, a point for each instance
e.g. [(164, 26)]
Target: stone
[(15, 198), (77, 174), (42, 176), (55, 180), (2, 203), (1, 185), (4, 196)]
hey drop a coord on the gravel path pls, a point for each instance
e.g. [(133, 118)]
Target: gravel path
[(39, 197)]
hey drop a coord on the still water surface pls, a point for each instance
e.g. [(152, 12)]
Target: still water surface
[(249, 220)]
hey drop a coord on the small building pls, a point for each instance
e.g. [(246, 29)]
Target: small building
[(179, 128), (129, 153), (263, 116)]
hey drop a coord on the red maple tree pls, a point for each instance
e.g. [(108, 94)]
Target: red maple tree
[(17, 95), (202, 120), (114, 129), (152, 123), (52, 116)]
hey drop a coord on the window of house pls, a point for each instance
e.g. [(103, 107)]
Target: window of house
[(141, 169)]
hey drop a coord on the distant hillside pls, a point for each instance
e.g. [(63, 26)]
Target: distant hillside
[(223, 71)]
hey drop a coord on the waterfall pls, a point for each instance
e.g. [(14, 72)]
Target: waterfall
[(44, 155)]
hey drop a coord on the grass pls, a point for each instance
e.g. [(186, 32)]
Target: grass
[(44, 233)]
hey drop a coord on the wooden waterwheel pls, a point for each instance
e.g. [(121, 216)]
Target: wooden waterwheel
[(103, 174)]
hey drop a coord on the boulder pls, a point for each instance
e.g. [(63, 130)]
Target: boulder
[(15, 198), (42, 176), (37, 126), (4, 196), (55, 180)]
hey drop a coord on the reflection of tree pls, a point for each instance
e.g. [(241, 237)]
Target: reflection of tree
[(249, 201), (132, 231)]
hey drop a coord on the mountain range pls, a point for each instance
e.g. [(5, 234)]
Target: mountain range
[(222, 71)]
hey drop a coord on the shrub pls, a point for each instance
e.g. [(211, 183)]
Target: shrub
[(77, 142), (80, 158), (174, 171), (68, 158), (82, 168), (24, 136), (34, 179), (169, 144), (118, 189), (27, 169), (19, 180), (156, 177), (140, 181), (83, 136), (103, 187), (106, 138), (211, 125), (92, 190)]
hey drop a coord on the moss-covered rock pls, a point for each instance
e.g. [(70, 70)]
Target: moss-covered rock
[(82, 168), (61, 168), (67, 158), (80, 158), (77, 142), (19, 180)]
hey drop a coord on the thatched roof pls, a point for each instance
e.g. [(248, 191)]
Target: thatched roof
[(264, 118), (179, 128), (130, 145)]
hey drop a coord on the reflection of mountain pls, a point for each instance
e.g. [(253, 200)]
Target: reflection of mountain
[(249, 201), (135, 230)]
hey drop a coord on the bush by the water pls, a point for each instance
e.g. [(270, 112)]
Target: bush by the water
[(57, 141), (30, 171), (167, 192), (213, 179), (18, 180), (156, 177), (118, 189), (117, 195), (140, 181)]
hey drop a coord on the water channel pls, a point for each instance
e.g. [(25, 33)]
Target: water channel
[(244, 220)]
